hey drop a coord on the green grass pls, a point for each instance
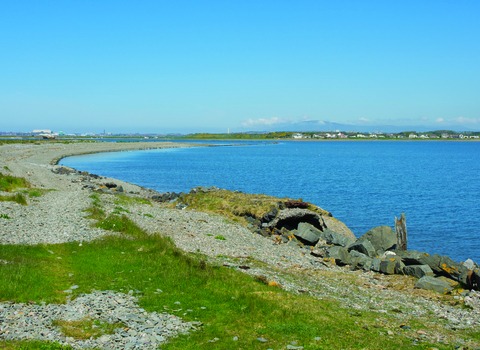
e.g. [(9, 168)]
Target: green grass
[(236, 206), (9, 183), (17, 198), (5, 216), (228, 303), (86, 328)]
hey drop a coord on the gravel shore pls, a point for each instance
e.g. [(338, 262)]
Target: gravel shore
[(58, 216)]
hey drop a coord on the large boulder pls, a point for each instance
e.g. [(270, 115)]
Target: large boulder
[(307, 233), (382, 238), (340, 254), (360, 261), (335, 238), (391, 265), (364, 247), (436, 284), (441, 265), (333, 231), (418, 271)]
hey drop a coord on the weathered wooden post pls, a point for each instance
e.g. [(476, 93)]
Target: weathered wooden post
[(401, 231)]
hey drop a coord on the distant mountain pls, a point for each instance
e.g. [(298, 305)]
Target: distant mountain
[(318, 125)]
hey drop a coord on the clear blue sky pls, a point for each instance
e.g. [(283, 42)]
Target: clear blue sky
[(164, 66)]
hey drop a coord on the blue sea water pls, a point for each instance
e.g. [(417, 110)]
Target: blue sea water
[(364, 184)]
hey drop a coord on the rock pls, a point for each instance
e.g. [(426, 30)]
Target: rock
[(469, 264), (360, 261), (340, 229), (376, 264), (418, 271), (364, 247), (382, 239), (340, 254), (291, 218), (387, 266), (332, 237), (435, 284), (307, 233), (441, 265)]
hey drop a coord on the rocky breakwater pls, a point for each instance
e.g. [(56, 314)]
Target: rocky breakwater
[(300, 224), (375, 251)]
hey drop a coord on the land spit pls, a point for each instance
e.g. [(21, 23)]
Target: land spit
[(59, 216)]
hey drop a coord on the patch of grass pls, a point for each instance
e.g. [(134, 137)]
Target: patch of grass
[(32, 345), (86, 328), (9, 183), (148, 215), (119, 210), (95, 211), (17, 198), (123, 199), (220, 238), (5, 216), (35, 192), (234, 205)]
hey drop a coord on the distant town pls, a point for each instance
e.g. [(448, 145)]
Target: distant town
[(48, 134)]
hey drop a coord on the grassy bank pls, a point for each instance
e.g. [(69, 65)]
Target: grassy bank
[(235, 309)]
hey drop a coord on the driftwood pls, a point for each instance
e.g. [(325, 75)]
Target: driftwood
[(401, 231)]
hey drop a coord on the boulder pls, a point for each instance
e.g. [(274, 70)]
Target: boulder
[(290, 218), (335, 238), (340, 229), (364, 247), (376, 264), (382, 239), (441, 265), (360, 261), (307, 233), (418, 271), (435, 284), (340, 254)]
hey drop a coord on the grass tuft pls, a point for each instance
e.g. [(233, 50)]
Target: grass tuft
[(86, 328), (9, 183), (17, 198)]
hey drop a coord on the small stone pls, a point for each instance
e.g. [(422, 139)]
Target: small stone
[(235, 338), (262, 340), (294, 347)]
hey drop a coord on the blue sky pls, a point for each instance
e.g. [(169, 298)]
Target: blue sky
[(168, 66)]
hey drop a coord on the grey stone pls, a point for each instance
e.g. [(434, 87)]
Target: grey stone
[(376, 264), (340, 254), (364, 247), (333, 237), (382, 238), (387, 267), (418, 271), (307, 233), (435, 284), (360, 261), (441, 265)]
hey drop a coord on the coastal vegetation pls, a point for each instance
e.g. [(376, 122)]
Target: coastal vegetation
[(237, 310)]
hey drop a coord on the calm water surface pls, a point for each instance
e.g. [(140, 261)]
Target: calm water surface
[(364, 184)]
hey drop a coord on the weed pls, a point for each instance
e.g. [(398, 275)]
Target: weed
[(123, 199), (148, 215), (4, 216), (17, 198), (9, 183), (220, 238), (86, 328)]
